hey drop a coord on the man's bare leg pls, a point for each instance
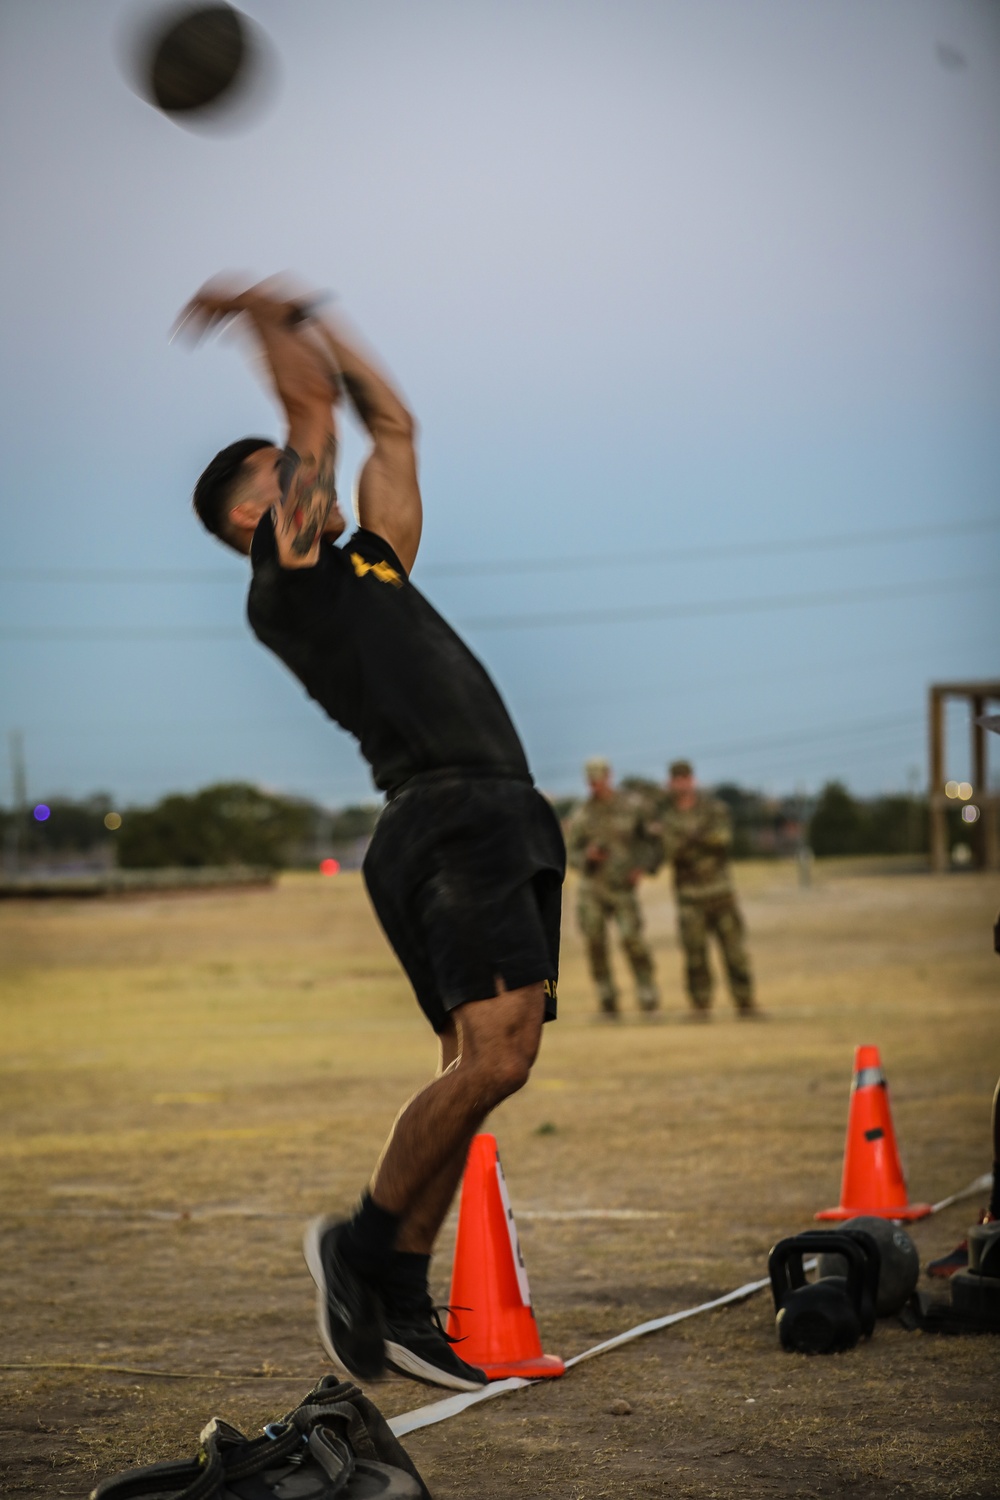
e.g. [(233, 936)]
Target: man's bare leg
[(492, 1051), (422, 1224), (371, 1272)]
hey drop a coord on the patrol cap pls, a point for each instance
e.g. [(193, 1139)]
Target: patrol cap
[(681, 768), (596, 767)]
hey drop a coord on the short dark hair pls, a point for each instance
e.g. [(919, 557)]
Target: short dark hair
[(214, 488)]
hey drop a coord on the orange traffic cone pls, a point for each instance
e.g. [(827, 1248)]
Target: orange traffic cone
[(490, 1299), (873, 1181)]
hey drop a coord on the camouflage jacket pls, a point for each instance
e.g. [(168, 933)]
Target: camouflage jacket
[(619, 827), (697, 843)]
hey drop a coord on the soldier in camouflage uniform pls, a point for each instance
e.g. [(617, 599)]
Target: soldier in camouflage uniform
[(697, 835), (608, 843)]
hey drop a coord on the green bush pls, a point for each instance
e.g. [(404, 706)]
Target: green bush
[(229, 824), (841, 824), (837, 822)]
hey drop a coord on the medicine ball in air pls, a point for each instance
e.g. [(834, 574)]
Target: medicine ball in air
[(195, 55), (207, 67), (899, 1270)]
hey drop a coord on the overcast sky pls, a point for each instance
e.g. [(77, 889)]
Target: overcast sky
[(697, 305)]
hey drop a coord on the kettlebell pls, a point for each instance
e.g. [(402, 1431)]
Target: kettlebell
[(984, 1249), (899, 1263), (832, 1314)]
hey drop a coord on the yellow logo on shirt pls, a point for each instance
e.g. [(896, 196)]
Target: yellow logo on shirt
[(382, 570)]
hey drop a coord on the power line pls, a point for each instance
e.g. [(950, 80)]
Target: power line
[(697, 610), (123, 633), (714, 551), (856, 733), (234, 574), (629, 615), (677, 690), (808, 736), (497, 566)]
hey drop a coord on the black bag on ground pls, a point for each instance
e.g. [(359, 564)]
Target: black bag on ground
[(336, 1443)]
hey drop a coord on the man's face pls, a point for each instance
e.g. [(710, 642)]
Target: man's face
[(260, 490), (600, 782), (259, 485), (682, 789)]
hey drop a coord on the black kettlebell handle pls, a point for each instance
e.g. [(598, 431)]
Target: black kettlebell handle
[(859, 1249)]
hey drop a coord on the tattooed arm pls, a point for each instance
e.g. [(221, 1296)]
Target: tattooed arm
[(308, 481), (388, 494), (301, 378)]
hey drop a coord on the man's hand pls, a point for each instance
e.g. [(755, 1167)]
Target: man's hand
[(306, 386), (221, 300), (596, 854)]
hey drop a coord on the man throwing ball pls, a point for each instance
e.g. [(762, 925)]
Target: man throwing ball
[(466, 864)]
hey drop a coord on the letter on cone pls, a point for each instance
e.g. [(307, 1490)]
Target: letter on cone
[(490, 1299), (873, 1181)]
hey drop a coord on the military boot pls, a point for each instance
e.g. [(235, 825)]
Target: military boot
[(648, 997), (607, 1001)]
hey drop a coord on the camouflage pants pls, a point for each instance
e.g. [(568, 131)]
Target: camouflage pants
[(596, 907), (721, 916)]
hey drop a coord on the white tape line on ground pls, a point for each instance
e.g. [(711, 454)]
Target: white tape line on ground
[(981, 1185), (747, 1290), (440, 1411), (558, 1214)]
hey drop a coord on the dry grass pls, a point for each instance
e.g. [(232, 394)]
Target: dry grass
[(236, 1059)]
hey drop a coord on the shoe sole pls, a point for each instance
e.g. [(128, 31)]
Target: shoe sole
[(312, 1242), (404, 1362), (943, 1272)]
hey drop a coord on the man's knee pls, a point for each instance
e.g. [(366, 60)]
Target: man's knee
[(591, 923), (696, 967), (509, 1074), (511, 1065), (597, 951), (501, 1038)]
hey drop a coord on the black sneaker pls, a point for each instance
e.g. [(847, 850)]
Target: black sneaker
[(417, 1345), (947, 1265), (348, 1310)]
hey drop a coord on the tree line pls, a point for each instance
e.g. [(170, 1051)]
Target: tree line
[(230, 823), (237, 823)]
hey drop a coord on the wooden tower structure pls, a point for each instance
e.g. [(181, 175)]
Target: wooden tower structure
[(983, 833)]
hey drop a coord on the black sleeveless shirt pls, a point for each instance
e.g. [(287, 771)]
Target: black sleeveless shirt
[(381, 661)]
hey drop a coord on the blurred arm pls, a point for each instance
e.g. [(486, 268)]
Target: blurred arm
[(717, 832), (648, 838), (301, 381), (388, 488)]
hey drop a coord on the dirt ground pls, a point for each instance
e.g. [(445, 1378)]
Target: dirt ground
[(185, 1080)]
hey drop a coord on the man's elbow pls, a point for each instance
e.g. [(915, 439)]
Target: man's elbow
[(397, 426)]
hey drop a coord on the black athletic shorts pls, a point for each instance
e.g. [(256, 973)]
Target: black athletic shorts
[(465, 874)]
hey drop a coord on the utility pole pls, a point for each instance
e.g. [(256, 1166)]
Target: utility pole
[(19, 783)]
